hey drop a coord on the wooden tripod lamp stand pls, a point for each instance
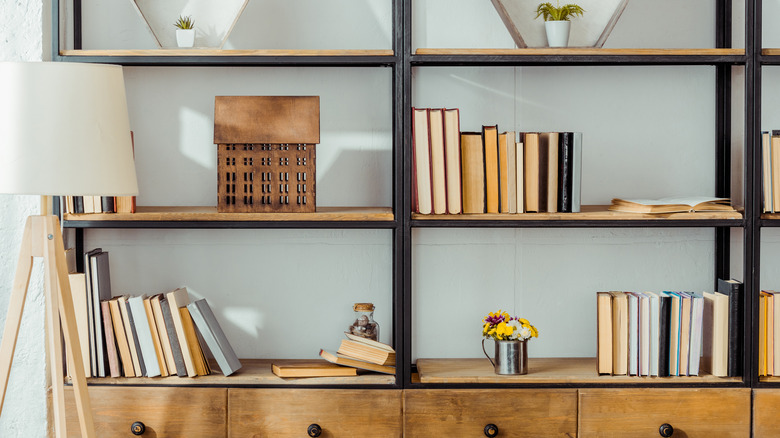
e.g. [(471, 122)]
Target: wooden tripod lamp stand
[(64, 130)]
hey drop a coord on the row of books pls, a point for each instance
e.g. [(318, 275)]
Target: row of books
[(355, 353), (97, 204), (670, 333), (136, 336), (490, 171), (769, 333)]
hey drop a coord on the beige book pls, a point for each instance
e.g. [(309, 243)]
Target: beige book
[(503, 173), (178, 299), (452, 157), (604, 332), (438, 169), (162, 332), (78, 290), (511, 174), (131, 341), (520, 167), (766, 167), (155, 337), (685, 333), (473, 172), (89, 204), (715, 339), (619, 333), (422, 162), (121, 338), (531, 145)]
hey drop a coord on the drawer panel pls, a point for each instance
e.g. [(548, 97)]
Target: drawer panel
[(166, 412), (259, 412), (466, 412), (766, 405), (705, 412)]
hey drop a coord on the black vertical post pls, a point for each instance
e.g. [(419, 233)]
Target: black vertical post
[(752, 188), (723, 135), (77, 25), (406, 187)]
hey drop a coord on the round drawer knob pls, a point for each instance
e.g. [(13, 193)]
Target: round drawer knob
[(314, 430), (138, 428), (666, 430), (491, 430)]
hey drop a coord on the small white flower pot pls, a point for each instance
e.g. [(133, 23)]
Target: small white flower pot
[(185, 37), (557, 33)]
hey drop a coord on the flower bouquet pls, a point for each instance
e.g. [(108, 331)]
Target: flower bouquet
[(510, 335), (500, 326)]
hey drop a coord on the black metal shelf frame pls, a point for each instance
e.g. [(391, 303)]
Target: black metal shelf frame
[(402, 62)]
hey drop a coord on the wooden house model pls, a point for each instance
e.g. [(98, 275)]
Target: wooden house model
[(266, 153)]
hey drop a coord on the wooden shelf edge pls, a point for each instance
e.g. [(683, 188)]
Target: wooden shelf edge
[(589, 212), (582, 51), (219, 52), (545, 371), (254, 372), (210, 214)]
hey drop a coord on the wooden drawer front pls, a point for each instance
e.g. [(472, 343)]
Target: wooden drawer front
[(258, 412), (166, 412), (465, 413), (766, 405), (641, 412)]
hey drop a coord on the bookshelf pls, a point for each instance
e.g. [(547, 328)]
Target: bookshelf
[(404, 70)]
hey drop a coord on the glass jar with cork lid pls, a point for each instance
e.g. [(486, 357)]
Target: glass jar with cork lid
[(364, 325)]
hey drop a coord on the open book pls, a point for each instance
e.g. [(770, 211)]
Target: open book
[(671, 205)]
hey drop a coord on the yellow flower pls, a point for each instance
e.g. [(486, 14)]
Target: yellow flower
[(503, 330), (524, 322)]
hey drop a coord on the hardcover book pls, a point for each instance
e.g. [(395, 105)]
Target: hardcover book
[(492, 184), (473, 165), (453, 157), (422, 195), (734, 290), (215, 338), (438, 163), (313, 369)]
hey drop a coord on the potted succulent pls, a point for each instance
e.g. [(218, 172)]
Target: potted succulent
[(556, 21), (185, 31)]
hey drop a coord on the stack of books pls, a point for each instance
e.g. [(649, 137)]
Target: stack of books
[(491, 171), (135, 336), (355, 353), (670, 333)]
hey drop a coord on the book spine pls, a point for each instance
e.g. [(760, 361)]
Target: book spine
[(734, 291), (136, 344), (576, 172), (181, 369), (107, 204), (564, 172), (665, 315)]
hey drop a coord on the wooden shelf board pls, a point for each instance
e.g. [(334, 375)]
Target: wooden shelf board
[(568, 370), (252, 372), (770, 52), (218, 52), (582, 51), (772, 216), (589, 212), (211, 214)]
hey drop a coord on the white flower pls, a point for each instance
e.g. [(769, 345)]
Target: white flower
[(516, 327), (524, 333)]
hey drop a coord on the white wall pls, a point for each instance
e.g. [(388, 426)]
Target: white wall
[(24, 413)]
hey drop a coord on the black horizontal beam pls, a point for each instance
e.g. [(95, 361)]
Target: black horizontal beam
[(568, 60)]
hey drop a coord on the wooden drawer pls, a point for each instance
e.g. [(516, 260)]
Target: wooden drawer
[(466, 412), (641, 412), (766, 405), (166, 412), (258, 412)]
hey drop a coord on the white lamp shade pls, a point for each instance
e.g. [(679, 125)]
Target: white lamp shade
[(64, 130)]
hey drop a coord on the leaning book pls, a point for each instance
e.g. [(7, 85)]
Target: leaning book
[(671, 205), (215, 338)]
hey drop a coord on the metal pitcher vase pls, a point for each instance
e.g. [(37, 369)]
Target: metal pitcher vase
[(511, 357)]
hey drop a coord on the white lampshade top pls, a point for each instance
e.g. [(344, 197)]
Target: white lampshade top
[(64, 130)]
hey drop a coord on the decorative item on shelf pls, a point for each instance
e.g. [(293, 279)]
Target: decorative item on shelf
[(557, 21), (511, 335), (185, 31), (364, 325), (215, 19), (266, 153), (526, 31)]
